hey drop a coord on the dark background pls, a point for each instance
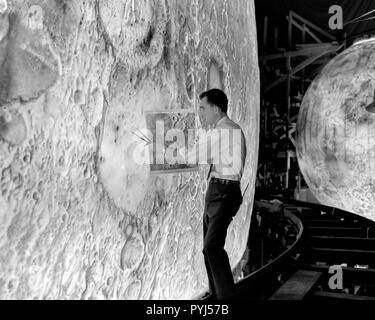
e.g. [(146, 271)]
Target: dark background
[(315, 11), (279, 106)]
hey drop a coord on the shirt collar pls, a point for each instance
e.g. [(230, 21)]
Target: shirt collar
[(221, 120)]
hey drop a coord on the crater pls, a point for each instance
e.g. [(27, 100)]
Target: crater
[(135, 30), (28, 66), (3, 6), (12, 127), (146, 43), (215, 75), (132, 253), (132, 292)]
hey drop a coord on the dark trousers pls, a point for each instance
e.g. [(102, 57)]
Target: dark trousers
[(221, 205)]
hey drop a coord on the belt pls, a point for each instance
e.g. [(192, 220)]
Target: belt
[(216, 175), (224, 181)]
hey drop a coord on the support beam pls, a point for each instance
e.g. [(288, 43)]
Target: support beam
[(333, 255), (338, 232), (305, 29), (312, 26), (343, 242), (295, 70), (294, 119), (265, 32), (327, 296), (298, 286), (276, 44), (303, 52), (327, 223)]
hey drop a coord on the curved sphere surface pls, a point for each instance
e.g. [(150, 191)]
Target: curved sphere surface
[(336, 133)]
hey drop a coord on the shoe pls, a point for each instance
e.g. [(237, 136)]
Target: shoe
[(209, 296)]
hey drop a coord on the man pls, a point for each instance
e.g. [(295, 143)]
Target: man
[(223, 197)]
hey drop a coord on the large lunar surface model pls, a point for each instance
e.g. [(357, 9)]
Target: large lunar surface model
[(78, 218), (336, 134)]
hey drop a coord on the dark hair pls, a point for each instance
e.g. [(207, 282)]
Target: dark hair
[(216, 97)]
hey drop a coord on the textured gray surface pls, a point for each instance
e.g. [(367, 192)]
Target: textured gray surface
[(336, 135), (77, 219)]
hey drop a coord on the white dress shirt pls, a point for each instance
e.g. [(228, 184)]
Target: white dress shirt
[(223, 146)]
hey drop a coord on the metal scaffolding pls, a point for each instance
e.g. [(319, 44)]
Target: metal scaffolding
[(286, 76)]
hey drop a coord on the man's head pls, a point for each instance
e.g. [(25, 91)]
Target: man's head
[(213, 106)]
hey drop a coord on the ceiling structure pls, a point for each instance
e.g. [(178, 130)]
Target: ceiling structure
[(317, 12)]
